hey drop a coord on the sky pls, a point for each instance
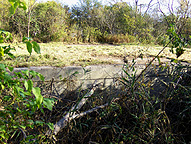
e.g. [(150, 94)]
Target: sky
[(165, 3), (73, 2)]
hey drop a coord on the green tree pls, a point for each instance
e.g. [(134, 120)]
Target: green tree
[(18, 24), (85, 17), (50, 21), (4, 14)]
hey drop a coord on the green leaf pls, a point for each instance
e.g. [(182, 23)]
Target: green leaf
[(7, 50), (42, 110), (2, 135), (50, 125), (16, 4), (39, 123), (23, 127), (159, 60), (7, 35), (10, 68), (22, 5), (1, 52), (33, 73), (7, 77), (30, 85), (29, 47), (18, 74), (174, 60), (37, 92), (2, 67), (25, 39), (27, 93), (11, 55), (15, 126), (30, 121), (25, 72), (26, 85), (12, 10), (2, 86), (36, 47), (12, 0), (48, 103), (41, 76), (6, 98), (1, 39)]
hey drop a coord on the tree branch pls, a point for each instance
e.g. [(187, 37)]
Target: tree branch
[(72, 113), (148, 6)]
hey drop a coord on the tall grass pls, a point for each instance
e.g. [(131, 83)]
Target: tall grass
[(143, 114)]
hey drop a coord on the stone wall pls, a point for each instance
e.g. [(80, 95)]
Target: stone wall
[(74, 77)]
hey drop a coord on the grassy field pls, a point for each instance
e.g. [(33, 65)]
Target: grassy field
[(60, 55)]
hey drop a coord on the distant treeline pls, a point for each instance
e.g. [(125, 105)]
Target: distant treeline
[(90, 21)]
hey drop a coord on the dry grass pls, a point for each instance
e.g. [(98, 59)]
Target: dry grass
[(59, 54)]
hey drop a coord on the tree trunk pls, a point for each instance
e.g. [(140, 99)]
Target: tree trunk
[(28, 31)]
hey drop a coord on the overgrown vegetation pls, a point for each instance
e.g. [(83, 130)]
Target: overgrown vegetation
[(148, 111), (20, 100)]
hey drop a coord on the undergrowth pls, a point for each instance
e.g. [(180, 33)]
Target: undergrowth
[(139, 116), (155, 109)]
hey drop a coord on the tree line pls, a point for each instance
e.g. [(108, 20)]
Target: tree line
[(91, 21)]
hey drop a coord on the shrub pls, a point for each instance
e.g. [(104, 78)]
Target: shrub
[(118, 38), (162, 40), (20, 100)]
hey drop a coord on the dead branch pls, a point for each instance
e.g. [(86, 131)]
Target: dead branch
[(148, 6), (92, 110), (72, 113), (67, 118)]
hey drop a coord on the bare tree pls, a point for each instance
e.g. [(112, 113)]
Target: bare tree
[(30, 5), (148, 6), (178, 16)]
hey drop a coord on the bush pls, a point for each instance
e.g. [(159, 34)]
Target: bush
[(162, 40), (118, 38), (20, 100)]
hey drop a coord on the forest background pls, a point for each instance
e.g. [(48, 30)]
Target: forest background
[(90, 21)]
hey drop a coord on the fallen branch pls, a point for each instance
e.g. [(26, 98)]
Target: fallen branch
[(89, 111), (66, 119), (72, 113)]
